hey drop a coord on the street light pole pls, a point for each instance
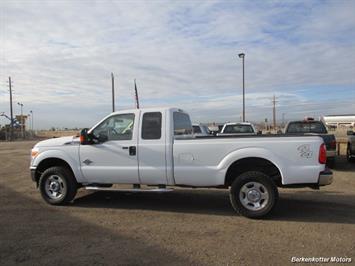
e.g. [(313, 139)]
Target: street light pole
[(242, 56), (22, 129), (31, 120), (11, 113), (113, 91)]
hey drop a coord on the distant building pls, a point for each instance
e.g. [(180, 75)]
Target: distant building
[(339, 120)]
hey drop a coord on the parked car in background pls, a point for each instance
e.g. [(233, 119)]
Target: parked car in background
[(200, 130), (309, 126), (240, 128), (350, 151)]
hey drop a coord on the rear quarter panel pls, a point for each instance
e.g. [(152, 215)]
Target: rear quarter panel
[(204, 162)]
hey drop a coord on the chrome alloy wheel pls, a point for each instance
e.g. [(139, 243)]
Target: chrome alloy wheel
[(254, 196), (55, 187)]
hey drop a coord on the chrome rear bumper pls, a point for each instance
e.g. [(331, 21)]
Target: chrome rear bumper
[(325, 177)]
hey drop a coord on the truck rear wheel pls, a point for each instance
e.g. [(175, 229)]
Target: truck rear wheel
[(57, 185), (253, 194)]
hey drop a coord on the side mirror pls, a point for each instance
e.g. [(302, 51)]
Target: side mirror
[(84, 137), (350, 133)]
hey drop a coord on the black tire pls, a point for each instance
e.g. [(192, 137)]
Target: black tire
[(331, 162), (348, 154), (262, 183), (62, 177)]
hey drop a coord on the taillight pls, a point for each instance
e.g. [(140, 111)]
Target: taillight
[(333, 144), (322, 154)]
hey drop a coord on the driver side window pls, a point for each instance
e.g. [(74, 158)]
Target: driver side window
[(116, 127)]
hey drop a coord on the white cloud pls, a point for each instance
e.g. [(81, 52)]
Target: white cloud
[(61, 54)]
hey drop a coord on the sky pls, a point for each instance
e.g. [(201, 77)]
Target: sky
[(60, 55)]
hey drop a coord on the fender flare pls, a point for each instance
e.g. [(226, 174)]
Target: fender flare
[(59, 154), (250, 152)]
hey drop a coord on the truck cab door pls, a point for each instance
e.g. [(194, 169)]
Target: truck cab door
[(112, 158), (152, 149)]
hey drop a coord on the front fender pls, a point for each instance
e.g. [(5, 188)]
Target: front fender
[(71, 159)]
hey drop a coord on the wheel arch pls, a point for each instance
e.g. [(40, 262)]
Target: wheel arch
[(50, 162), (253, 164)]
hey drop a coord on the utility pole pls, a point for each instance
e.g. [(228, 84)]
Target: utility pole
[(29, 122), (274, 111), (22, 128), (11, 113), (113, 92)]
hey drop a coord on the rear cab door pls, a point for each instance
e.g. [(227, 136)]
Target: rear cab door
[(152, 148)]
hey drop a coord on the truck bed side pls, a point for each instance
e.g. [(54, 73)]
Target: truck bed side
[(205, 161)]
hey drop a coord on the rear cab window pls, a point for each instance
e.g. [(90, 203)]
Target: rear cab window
[(306, 127), (182, 125), (238, 129), (151, 125)]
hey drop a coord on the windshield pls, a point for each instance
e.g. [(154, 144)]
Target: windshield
[(238, 129), (306, 127)]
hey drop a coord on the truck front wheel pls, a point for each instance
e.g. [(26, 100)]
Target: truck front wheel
[(57, 185), (253, 194)]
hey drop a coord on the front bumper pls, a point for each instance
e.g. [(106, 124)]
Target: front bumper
[(33, 174), (325, 177)]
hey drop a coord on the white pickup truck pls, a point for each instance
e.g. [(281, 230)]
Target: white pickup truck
[(156, 147)]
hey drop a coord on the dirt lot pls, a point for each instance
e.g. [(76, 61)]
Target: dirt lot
[(182, 227)]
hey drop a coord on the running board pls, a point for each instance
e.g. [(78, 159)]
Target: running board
[(159, 190)]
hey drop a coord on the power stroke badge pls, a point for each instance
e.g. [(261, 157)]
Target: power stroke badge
[(305, 151)]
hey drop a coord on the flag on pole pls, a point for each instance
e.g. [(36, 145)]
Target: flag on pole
[(136, 92)]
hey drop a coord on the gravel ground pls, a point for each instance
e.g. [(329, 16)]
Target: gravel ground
[(186, 226)]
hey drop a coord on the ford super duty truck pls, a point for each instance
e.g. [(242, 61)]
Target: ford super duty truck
[(156, 147)]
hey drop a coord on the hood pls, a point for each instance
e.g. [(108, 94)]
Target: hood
[(58, 142)]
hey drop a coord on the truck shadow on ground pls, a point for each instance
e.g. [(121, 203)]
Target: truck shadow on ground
[(34, 233), (302, 206)]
